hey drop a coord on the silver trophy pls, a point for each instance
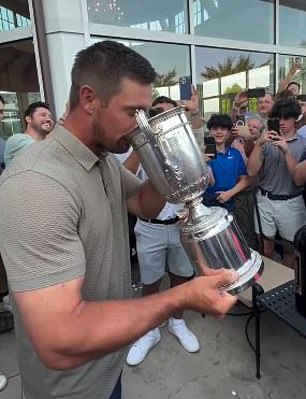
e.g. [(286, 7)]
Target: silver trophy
[(169, 153)]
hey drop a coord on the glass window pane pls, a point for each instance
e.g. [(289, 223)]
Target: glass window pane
[(18, 84), (223, 73), (169, 16), (11, 11), (171, 61), (245, 20), (286, 62), (292, 31)]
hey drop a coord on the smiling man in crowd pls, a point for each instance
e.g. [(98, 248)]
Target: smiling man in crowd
[(39, 123)]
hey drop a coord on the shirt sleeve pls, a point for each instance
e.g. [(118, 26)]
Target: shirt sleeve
[(241, 165), (39, 239)]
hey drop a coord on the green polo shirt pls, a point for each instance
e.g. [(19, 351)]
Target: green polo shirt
[(63, 216)]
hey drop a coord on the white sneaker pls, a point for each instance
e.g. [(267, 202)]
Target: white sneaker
[(186, 337), (3, 381), (142, 346)]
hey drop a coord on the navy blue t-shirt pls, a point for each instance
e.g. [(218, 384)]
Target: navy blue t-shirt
[(226, 168)]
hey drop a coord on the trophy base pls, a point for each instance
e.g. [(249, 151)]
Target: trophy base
[(249, 273)]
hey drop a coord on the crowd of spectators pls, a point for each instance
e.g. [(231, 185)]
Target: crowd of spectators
[(268, 206)]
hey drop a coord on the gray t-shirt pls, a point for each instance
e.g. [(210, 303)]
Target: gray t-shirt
[(274, 175), (64, 215)]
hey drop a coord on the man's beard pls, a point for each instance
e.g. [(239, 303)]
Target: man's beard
[(119, 147)]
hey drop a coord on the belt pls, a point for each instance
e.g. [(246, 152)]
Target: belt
[(276, 197), (157, 221)]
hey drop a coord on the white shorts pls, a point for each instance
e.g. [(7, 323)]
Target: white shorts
[(159, 249), (286, 216)]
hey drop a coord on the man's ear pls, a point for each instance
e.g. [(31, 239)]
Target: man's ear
[(28, 119), (88, 98)]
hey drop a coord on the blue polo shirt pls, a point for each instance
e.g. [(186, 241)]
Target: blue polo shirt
[(226, 168)]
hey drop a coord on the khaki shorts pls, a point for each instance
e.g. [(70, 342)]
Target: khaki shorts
[(285, 216), (159, 250)]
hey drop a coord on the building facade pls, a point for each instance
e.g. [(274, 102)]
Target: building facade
[(222, 46)]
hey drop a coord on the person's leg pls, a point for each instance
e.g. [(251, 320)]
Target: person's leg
[(288, 258), (269, 247), (243, 215), (266, 214), (178, 280), (151, 252), (292, 210), (180, 271), (149, 289)]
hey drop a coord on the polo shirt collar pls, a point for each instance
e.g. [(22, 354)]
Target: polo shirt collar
[(226, 152), (80, 152), (294, 137)]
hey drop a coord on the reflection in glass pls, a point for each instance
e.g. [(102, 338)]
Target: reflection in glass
[(244, 20), (157, 15), (18, 84), (292, 27), (171, 61), (14, 14), (224, 73)]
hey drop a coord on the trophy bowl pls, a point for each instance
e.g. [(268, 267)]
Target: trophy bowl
[(170, 155)]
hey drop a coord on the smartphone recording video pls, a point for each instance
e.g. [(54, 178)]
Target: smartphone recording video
[(273, 124), (240, 120), (256, 93), (185, 87), (210, 146)]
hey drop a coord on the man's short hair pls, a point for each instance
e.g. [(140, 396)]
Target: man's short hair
[(293, 83), (103, 66), (286, 108), (33, 107), (163, 100), (259, 119), (2, 99), (222, 120)]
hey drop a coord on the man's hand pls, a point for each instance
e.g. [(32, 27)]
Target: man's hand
[(238, 144), (191, 105), (207, 295), (281, 144), (208, 157), (240, 101), (242, 131), (224, 196), (271, 135)]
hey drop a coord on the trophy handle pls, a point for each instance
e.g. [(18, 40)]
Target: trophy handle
[(142, 121), (169, 169)]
